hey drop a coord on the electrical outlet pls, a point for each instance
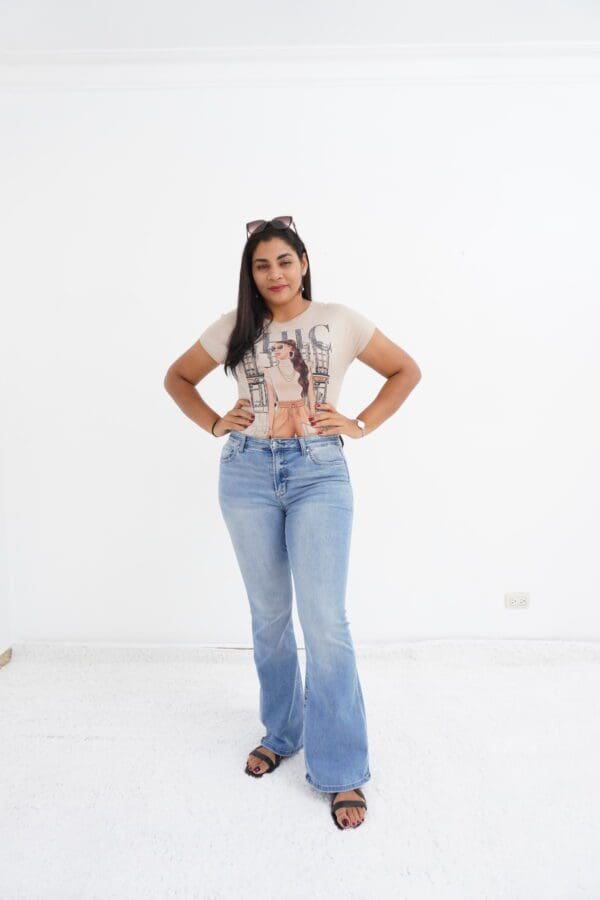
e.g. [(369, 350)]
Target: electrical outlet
[(516, 600)]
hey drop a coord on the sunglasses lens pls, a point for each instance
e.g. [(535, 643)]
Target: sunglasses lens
[(261, 224), (257, 225)]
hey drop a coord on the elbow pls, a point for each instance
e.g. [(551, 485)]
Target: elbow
[(414, 372), (411, 373), (169, 379)]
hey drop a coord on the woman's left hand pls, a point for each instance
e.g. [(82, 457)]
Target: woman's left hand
[(329, 421)]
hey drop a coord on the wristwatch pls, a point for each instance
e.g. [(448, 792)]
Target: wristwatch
[(362, 425)]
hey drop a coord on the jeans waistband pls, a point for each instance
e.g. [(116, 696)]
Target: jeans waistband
[(270, 443)]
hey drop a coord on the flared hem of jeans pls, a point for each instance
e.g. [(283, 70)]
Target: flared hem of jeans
[(278, 752), (338, 788)]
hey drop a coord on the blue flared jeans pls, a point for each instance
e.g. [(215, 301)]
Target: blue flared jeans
[(288, 506)]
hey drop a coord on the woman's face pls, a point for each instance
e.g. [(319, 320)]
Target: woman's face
[(274, 263), (282, 351)]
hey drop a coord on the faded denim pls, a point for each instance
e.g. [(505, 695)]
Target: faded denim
[(288, 506)]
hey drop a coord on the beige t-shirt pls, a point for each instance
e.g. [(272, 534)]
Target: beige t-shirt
[(293, 365)]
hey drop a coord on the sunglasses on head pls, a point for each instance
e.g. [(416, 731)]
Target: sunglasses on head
[(261, 224)]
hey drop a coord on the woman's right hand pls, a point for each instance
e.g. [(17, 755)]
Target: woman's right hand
[(237, 419)]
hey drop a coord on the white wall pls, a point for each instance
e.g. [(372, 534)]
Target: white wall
[(35, 25), (451, 197)]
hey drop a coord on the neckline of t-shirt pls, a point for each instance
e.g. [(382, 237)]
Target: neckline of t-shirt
[(275, 324)]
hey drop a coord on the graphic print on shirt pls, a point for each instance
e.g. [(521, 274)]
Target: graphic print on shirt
[(287, 376)]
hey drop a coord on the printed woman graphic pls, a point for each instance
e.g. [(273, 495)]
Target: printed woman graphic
[(290, 383)]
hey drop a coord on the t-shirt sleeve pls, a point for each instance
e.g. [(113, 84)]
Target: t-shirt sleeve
[(215, 338), (359, 329)]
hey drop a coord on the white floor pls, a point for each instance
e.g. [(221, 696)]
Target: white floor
[(122, 777)]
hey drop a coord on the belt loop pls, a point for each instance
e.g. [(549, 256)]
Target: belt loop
[(244, 438), (342, 440), (302, 445)]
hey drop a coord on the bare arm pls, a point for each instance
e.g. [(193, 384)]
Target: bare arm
[(402, 375), (180, 381)]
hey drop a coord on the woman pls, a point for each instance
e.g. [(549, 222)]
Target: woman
[(286, 497)]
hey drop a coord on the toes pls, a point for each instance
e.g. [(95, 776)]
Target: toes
[(256, 765), (352, 815), (340, 814), (358, 813), (259, 766), (344, 815)]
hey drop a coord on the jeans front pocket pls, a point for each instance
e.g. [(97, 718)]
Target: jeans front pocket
[(229, 451), (328, 455), (324, 452)]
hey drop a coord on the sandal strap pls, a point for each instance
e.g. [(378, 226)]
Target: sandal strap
[(341, 804), (272, 765)]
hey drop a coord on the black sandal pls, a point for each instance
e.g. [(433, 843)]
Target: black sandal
[(272, 765), (343, 803)]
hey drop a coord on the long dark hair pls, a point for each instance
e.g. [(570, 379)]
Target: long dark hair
[(253, 314)]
